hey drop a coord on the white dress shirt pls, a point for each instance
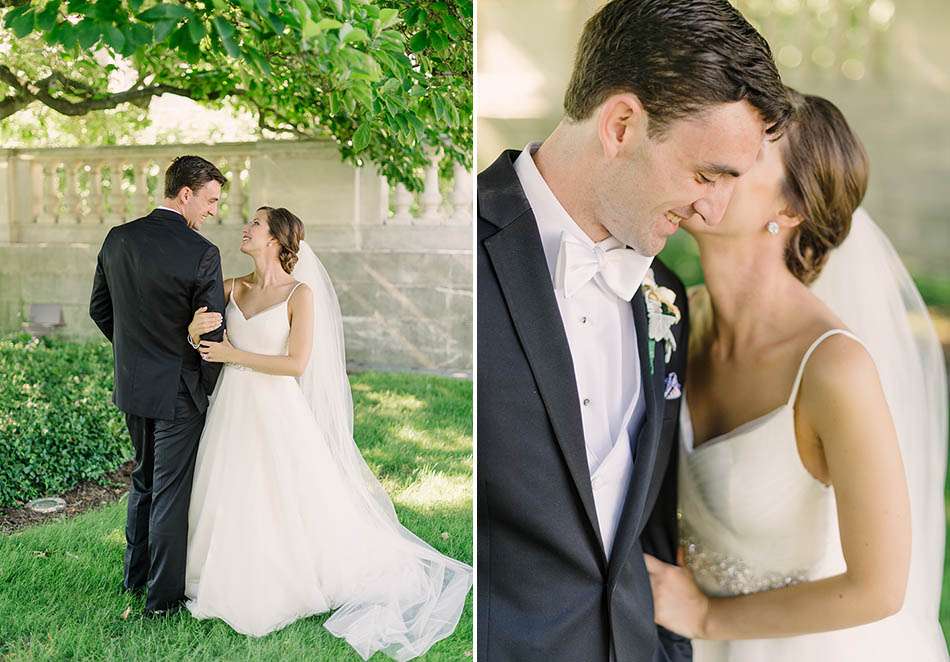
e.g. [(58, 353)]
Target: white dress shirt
[(603, 343), (169, 209)]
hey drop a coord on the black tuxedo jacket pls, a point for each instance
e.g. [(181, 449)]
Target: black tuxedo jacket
[(151, 276), (546, 590)]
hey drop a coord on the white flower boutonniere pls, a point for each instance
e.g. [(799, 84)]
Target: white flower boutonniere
[(662, 316)]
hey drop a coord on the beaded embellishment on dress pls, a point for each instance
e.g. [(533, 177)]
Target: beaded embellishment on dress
[(730, 574)]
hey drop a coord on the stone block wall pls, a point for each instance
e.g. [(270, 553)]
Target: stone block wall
[(401, 264)]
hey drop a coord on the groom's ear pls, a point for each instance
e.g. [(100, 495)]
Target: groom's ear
[(621, 124)]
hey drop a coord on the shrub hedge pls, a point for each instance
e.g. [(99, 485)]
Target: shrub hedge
[(58, 425)]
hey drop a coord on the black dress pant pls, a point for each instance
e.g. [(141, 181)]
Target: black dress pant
[(156, 529)]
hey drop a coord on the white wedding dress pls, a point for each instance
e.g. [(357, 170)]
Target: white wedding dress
[(280, 528), (752, 518)]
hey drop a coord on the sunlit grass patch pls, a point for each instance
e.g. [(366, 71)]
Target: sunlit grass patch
[(59, 597)]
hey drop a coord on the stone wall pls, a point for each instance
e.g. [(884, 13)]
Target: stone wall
[(401, 263)]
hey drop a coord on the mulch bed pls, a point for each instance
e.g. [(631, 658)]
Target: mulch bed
[(86, 496)]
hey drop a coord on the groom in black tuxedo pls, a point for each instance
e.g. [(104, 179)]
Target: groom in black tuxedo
[(152, 275), (582, 333)]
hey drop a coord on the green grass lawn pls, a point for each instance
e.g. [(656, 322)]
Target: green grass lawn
[(58, 582)]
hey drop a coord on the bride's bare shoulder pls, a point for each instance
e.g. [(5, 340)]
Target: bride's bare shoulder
[(840, 375), (229, 284), (300, 292), (839, 359), (244, 280), (834, 360)]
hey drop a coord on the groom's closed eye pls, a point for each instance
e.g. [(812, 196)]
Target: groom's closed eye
[(711, 171)]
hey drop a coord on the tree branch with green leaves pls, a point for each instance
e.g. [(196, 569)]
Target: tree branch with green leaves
[(386, 84)]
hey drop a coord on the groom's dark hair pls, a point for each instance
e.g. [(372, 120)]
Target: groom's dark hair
[(679, 57), (191, 171)]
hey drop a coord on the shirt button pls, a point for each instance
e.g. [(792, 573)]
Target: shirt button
[(585, 321), (587, 402)]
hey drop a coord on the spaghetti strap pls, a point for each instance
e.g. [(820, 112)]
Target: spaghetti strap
[(293, 290), (808, 353)]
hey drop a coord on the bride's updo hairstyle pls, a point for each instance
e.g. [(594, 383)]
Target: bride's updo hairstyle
[(288, 230), (826, 176)]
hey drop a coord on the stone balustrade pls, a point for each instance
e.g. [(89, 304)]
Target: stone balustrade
[(401, 261)]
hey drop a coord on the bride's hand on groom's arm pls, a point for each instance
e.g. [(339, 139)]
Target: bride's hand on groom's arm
[(218, 352), (299, 343), (202, 323), (678, 603)]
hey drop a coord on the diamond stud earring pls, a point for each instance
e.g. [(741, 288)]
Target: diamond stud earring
[(772, 227)]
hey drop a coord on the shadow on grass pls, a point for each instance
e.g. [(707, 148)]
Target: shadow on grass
[(404, 421)]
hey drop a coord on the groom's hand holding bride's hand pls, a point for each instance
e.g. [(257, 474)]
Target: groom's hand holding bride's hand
[(218, 352), (202, 323), (678, 603)]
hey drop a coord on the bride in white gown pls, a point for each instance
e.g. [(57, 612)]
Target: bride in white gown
[(813, 448), (286, 519)]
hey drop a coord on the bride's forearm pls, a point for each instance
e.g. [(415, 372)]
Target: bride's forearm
[(286, 365), (826, 604)]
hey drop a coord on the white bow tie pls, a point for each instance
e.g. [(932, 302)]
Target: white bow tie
[(578, 263)]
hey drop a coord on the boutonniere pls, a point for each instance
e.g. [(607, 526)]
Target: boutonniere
[(662, 316)]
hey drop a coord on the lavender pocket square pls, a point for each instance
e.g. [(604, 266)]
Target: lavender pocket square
[(672, 389)]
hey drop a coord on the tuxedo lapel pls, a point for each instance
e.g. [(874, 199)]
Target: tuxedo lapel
[(647, 441), (517, 256)]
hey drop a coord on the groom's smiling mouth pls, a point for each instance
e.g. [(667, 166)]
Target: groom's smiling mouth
[(674, 218)]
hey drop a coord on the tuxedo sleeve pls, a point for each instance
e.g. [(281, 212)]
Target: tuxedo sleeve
[(209, 291), (100, 302), (660, 537)]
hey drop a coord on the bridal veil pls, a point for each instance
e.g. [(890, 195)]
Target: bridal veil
[(405, 618)]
